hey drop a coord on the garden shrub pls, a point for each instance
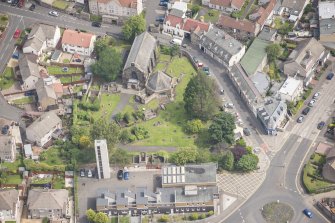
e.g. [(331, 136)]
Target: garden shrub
[(193, 126), (140, 132)]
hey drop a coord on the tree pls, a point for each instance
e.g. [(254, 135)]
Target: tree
[(194, 216), (203, 156), (201, 97), (222, 128), (84, 141), (108, 66), (238, 152), (45, 220), (120, 157), (164, 218), (195, 9), (174, 50), (101, 44), (106, 130), (193, 126), (134, 26), (90, 214), (184, 155), (273, 51), (227, 161), (101, 217), (247, 163)]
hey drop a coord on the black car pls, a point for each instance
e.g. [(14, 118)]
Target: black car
[(160, 19), (306, 110), (96, 24), (165, 4), (120, 174), (32, 7), (321, 125), (246, 132), (330, 76), (15, 2)]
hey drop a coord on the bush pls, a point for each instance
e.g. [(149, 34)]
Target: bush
[(247, 163), (210, 213), (202, 216), (238, 152), (164, 218), (194, 216), (118, 117), (193, 126), (227, 161), (241, 142), (126, 136), (128, 118), (140, 132), (95, 106), (139, 115)]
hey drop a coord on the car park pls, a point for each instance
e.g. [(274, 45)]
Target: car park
[(126, 175), (300, 119), (96, 24), (17, 33), (311, 103), (330, 76), (316, 95), (306, 110), (308, 213), (54, 13), (32, 7), (321, 125), (120, 174)]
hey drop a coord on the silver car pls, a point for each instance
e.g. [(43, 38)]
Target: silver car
[(54, 13)]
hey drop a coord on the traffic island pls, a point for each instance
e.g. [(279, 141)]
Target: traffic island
[(276, 212)]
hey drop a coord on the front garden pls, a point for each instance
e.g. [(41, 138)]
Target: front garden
[(7, 79)]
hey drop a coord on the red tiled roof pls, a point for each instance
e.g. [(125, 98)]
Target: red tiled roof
[(229, 22), (77, 38), (58, 88), (128, 3), (265, 12), (237, 3), (192, 24), (224, 3), (174, 20)]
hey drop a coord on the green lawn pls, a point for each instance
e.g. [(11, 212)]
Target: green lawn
[(53, 157), (313, 184), (58, 182), (59, 4), (124, 219), (7, 78), (56, 70), (170, 131), (12, 167), (107, 105), (41, 180), (212, 16), (69, 79), (25, 100), (3, 20), (14, 179), (164, 58)]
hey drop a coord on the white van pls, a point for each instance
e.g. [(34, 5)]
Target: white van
[(176, 42)]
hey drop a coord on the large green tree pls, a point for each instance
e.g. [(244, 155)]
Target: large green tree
[(90, 214), (101, 217), (108, 65), (273, 51), (222, 128), (227, 161), (105, 130), (101, 44), (134, 26), (247, 163), (201, 97), (184, 155)]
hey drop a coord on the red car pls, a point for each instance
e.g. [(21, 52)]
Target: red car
[(17, 33)]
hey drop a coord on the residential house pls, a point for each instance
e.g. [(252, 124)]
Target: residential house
[(140, 62), (9, 205), (48, 203), (102, 158), (272, 114), (47, 98), (264, 14), (40, 131), (326, 10), (221, 47), (327, 33), (255, 58), (294, 8), (29, 71), (328, 170), (224, 5), (41, 37), (7, 148), (239, 29), (267, 34), (115, 10), (291, 90), (78, 42), (181, 27), (304, 59)]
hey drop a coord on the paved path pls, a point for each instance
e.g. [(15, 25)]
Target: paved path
[(121, 105), (246, 11), (135, 148)]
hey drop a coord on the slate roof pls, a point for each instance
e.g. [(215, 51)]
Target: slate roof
[(38, 34), (42, 125), (303, 57), (28, 66), (47, 199), (220, 44), (124, 196), (8, 199), (327, 26), (271, 112), (44, 91), (254, 56), (326, 9), (294, 5), (141, 50), (6, 143), (159, 81)]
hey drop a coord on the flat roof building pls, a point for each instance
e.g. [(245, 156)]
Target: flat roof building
[(102, 158), (291, 89)]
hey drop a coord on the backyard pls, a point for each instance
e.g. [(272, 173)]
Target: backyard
[(60, 4), (57, 70), (7, 78), (24, 100)]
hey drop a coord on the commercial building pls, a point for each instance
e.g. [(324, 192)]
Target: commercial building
[(291, 89), (102, 159)]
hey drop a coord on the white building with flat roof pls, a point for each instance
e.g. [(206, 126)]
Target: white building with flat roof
[(291, 89), (102, 158), (326, 10)]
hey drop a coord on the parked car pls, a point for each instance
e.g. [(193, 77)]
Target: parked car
[(164, 4), (82, 172), (321, 125), (9, 1), (200, 64), (15, 2), (246, 132), (96, 24), (300, 119), (126, 175), (195, 60), (120, 174), (32, 7), (308, 213), (306, 110), (160, 19), (330, 76), (21, 3), (316, 95), (206, 70), (54, 13), (77, 60), (311, 103), (222, 91), (17, 33), (229, 105), (65, 69), (4, 130), (89, 173)]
